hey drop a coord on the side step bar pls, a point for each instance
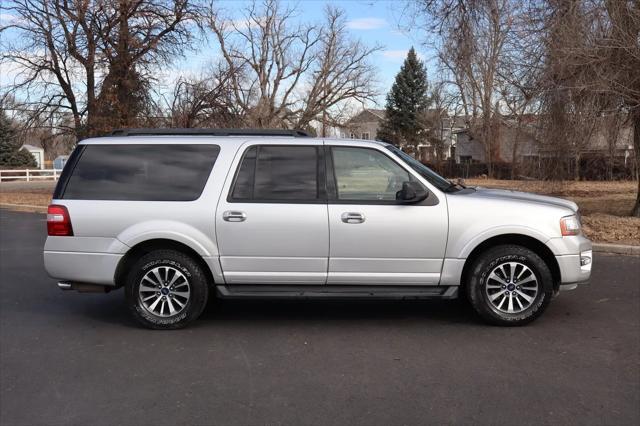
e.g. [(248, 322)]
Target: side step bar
[(336, 292)]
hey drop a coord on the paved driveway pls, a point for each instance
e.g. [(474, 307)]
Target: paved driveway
[(68, 358)]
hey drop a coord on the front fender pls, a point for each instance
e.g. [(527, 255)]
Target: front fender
[(462, 248)]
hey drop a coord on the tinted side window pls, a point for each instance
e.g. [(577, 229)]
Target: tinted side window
[(278, 173), (366, 175), (141, 172), (243, 188)]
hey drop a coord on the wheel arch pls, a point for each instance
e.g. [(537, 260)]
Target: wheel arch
[(529, 242), (147, 246)]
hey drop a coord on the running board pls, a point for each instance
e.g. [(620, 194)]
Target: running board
[(336, 292)]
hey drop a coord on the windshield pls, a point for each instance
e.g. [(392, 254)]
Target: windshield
[(433, 178)]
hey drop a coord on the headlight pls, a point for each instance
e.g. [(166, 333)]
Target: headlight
[(570, 225)]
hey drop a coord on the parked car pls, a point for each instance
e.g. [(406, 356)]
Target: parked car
[(177, 216)]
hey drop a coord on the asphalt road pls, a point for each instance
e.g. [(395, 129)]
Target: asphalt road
[(68, 358)]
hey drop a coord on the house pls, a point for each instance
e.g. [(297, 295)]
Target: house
[(446, 131), (514, 142), (60, 161), (363, 125), (38, 154), (522, 144), (366, 123)]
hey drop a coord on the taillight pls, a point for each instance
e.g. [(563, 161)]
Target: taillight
[(58, 221)]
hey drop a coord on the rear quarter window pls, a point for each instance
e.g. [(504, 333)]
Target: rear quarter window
[(140, 172)]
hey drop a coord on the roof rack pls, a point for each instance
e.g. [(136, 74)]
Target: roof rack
[(209, 132)]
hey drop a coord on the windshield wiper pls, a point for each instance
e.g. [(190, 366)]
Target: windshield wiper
[(453, 185)]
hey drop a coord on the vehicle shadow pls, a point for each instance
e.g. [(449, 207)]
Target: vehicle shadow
[(452, 311), (114, 311)]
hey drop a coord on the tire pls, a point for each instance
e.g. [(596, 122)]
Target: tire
[(181, 288), (506, 298)]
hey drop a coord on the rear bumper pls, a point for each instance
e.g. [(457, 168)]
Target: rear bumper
[(93, 268)]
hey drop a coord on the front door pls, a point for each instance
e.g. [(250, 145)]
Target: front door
[(373, 239), (271, 221)]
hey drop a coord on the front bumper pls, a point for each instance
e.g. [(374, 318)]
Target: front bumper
[(575, 269), (575, 260)]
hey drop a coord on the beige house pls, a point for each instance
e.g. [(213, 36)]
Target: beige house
[(366, 123), (363, 125)]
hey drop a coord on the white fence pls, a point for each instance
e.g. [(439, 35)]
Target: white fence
[(29, 175)]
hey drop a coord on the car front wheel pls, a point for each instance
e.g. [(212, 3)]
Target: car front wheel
[(509, 285)]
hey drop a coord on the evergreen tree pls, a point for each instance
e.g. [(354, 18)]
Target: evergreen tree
[(10, 153), (407, 105)]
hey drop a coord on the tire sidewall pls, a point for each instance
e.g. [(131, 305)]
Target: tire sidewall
[(197, 287), (487, 263)]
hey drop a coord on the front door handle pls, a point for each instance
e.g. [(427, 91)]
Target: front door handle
[(352, 217), (234, 216)]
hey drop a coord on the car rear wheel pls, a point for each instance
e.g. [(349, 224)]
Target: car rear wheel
[(166, 289), (509, 285)]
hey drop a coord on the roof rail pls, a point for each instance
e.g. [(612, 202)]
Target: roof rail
[(209, 132)]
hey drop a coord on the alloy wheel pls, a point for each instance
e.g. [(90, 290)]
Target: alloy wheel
[(164, 291)]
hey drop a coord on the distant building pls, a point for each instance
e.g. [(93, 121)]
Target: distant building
[(363, 125), (60, 161), (523, 145), (366, 123), (512, 144), (38, 154)]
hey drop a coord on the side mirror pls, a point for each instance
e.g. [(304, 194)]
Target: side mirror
[(412, 192)]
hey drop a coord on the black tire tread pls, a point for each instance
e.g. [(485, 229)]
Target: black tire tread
[(198, 281), (482, 265)]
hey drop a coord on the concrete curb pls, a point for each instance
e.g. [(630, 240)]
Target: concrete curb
[(616, 249)]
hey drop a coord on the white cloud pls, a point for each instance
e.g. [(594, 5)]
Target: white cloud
[(366, 24), (395, 54), (8, 19), (400, 55)]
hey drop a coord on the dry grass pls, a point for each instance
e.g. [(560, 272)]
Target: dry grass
[(29, 198), (604, 205), (36, 194)]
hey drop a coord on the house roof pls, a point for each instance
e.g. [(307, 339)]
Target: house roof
[(31, 147), (367, 115)]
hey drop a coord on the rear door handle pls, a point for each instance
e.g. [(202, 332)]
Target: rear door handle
[(352, 217), (234, 216)]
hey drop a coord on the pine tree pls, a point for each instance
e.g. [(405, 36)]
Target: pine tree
[(10, 153), (407, 104)]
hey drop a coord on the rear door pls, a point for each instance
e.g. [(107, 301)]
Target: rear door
[(271, 220), (375, 240)]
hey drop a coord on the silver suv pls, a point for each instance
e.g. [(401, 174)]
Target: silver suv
[(177, 216)]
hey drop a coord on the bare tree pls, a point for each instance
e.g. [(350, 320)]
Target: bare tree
[(471, 37), (284, 74), (91, 59), (594, 55), (203, 102)]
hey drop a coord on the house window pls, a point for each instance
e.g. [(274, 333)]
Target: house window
[(465, 158), (365, 135)]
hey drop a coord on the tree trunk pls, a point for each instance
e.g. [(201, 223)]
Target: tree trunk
[(636, 152)]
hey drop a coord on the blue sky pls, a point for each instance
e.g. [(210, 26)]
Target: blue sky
[(372, 21)]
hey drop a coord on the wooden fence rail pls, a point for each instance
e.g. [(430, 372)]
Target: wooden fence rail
[(29, 175)]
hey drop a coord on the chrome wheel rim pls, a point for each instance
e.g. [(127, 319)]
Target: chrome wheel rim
[(164, 291), (511, 287)]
